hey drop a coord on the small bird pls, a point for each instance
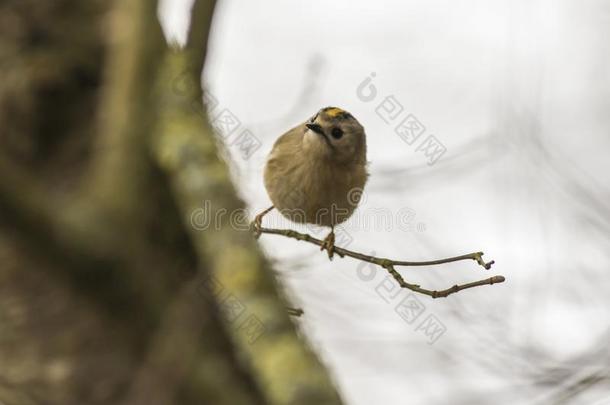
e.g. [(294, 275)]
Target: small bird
[(316, 172)]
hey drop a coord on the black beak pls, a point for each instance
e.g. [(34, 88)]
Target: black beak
[(316, 128)]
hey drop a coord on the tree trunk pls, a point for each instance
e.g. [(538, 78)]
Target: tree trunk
[(108, 294)]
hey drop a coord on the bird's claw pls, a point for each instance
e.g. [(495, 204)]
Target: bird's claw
[(256, 226), (328, 244)]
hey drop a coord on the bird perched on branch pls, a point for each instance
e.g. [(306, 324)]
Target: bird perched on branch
[(316, 172)]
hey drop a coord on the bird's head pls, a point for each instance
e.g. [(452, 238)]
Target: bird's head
[(335, 134)]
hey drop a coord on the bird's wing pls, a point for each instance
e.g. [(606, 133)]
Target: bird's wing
[(289, 143)]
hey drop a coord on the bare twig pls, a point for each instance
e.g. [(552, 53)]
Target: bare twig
[(389, 265)]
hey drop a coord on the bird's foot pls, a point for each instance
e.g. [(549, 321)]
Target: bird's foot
[(257, 225), (328, 244)]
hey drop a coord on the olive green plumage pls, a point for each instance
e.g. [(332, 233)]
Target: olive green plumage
[(316, 172)]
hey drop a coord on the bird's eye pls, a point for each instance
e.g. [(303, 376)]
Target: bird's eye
[(337, 133)]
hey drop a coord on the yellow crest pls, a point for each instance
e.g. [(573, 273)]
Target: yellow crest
[(334, 112)]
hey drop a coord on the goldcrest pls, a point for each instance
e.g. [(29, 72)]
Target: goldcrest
[(316, 171)]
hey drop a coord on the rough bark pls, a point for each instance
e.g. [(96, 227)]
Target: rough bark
[(105, 287)]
